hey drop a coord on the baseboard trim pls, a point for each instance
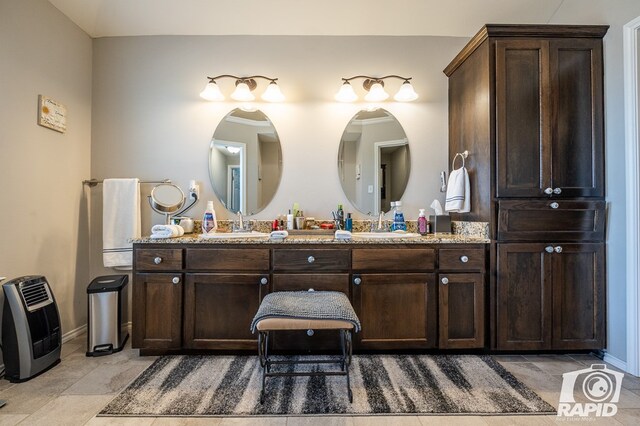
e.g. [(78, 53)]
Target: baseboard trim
[(616, 362), (69, 335)]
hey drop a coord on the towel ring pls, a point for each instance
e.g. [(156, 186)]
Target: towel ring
[(462, 155)]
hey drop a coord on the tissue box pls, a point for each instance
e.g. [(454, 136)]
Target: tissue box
[(440, 223)]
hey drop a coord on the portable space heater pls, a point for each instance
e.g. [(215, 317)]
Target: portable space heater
[(31, 336)]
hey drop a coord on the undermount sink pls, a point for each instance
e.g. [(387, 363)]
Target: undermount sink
[(384, 235), (235, 235)]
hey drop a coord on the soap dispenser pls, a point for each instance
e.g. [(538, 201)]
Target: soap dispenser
[(422, 223), (209, 222)]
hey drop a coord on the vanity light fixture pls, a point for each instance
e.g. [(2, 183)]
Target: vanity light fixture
[(244, 87), (375, 88), (232, 149)]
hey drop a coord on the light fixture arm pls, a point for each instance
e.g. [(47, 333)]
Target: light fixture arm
[(376, 79)]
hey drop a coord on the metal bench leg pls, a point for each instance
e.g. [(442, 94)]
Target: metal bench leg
[(346, 358), (263, 344)]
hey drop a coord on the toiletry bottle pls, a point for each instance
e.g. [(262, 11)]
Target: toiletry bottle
[(209, 222), (340, 217), (290, 220), (348, 223), (422, 223), (398, 218)]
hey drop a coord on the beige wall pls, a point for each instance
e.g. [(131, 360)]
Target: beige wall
[(149, 122), (43, 215)]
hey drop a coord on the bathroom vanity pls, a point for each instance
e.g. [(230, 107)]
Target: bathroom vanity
[(194, 294)]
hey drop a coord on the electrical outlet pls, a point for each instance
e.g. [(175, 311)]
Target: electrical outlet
[(370, 189)]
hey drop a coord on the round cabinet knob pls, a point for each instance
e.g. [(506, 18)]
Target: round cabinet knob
[(444, 280), (558, 249), (311, 259), (157, 260), (557, 190), (464, 259), (548, 249), (264, 281), (554, 205), (310, 333), (311, 289), (175, 280), (357, 280), (548, 191)]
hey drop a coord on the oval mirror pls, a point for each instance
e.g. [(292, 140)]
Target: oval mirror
[(373, 160), (245, 161)]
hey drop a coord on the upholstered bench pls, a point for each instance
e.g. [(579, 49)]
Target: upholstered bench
[(305, 310)]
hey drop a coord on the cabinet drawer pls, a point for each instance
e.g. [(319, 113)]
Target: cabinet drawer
[(158, 259), (461, 259), (557, 220), (310, 260), (228, 259), (318, 282), (394, 259)]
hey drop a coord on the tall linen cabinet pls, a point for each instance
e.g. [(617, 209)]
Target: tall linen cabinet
[(526, 101)]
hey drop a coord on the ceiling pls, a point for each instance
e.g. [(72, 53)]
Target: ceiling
[(462, 18)]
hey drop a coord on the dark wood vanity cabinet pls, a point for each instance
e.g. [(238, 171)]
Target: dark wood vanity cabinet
[(395, 297), (526, 101), (157, 311), (549, 114), (204, 298), (462, 301), (223, 290), (550, 296)]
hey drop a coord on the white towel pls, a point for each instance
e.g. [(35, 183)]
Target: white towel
[(342, 235), (458, 196), (166, 231), (278, 235), (120, 221)]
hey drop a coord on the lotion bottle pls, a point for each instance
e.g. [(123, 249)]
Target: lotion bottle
[(209, 222), (290, 220)]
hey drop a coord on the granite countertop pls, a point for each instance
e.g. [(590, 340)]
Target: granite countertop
[(464, 233), (441, 238)]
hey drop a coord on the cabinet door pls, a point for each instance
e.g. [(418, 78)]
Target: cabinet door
[(219, 308), (157, 311), (462, 320), (300, 341), (524, 297), (523, 130), (578, 296), (577, 142), (396, 311)]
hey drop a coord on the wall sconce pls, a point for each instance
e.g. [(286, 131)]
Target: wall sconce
[(375, 87), (244, 87)]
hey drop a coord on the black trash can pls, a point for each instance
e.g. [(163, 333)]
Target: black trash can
[(106, 332)]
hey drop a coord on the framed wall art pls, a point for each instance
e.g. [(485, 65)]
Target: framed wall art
[(52, 114)]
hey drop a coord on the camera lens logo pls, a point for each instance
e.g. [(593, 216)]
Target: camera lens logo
[(597, 384), (598, 387)]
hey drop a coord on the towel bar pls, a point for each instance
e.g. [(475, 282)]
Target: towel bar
[(94, 182)]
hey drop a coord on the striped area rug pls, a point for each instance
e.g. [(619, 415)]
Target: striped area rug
[(209, 385)]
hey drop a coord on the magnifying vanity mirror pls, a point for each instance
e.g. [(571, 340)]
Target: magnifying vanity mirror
[(245, 161), (166, 198), (373, 160)]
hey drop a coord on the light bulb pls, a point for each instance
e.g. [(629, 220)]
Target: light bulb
[(233, 149), (273, 93), (376, 93), (346, 93), (406, 93), (212, 92), (242, 93)]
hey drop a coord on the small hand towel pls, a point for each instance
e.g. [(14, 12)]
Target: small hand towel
[(458, 192), (278, 235), (342, 235), (166, 231), (120, 221)]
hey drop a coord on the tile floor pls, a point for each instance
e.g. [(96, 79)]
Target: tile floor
[(73, 393)]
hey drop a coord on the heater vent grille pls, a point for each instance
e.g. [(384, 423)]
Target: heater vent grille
[(35, 295)]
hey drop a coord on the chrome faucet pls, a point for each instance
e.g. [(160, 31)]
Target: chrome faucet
[(240, 226), (380, 223)]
